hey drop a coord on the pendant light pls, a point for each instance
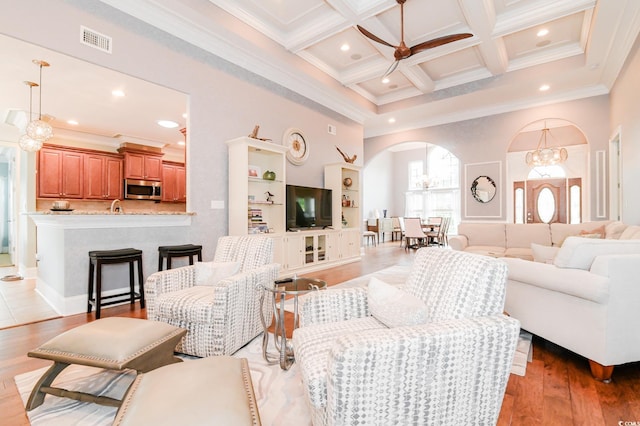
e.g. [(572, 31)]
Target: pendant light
[(40, 130), (27, 143), (545, 155)]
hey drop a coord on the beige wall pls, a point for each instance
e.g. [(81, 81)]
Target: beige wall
[(625, 117), (225, 101), (487, 139)]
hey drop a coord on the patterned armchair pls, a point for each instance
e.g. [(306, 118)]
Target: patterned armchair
[(452, 369), (220, 319)]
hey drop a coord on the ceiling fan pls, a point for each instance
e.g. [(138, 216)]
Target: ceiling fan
[(402, 51)]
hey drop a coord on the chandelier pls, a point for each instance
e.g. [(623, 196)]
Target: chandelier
[(39, 130), (544, 155)]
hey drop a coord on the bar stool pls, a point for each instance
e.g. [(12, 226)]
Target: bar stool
[(184, 250), (97, 258)]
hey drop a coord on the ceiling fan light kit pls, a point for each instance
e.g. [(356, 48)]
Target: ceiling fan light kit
[(402, 51)]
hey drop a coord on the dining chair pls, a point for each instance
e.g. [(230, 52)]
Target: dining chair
[(397, 231), (438, 236), (402, 230), (413, 231)]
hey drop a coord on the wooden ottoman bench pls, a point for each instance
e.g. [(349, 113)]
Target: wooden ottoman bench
[(214, 391), (113, 343)]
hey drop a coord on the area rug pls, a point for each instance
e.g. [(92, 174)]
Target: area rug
[(279, 393)]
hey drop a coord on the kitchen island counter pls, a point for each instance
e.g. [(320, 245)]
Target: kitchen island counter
[(64, 240)]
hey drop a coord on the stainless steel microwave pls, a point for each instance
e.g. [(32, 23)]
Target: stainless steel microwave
[(142, 190)]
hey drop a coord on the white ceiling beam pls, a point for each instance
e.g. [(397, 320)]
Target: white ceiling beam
[(419, 78), (481, 16)]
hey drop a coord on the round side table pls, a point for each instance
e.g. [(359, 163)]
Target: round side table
[(281, 290)]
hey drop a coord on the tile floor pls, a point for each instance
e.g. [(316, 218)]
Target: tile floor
[(20, 303)]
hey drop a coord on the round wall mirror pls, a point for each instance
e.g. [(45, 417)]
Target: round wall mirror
[(483, 189)]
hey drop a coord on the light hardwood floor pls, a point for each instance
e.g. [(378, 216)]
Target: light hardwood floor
[(557, 390)]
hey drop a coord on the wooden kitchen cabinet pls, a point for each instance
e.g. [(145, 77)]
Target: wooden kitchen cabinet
[(142, 166), (60, 173), (174, 183), (103, 177)]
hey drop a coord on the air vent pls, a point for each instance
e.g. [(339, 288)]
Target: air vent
[(95, 39)]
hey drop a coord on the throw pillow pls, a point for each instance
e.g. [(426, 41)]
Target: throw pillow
[(631, 233), (543, 254), (209, 273), (394, 307), (596, 233), (578, 253), (614, 230)]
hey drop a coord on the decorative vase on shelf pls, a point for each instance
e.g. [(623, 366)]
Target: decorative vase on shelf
[(347, 182), (269, 175)]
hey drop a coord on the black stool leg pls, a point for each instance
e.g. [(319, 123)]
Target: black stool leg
[(160, 261), (90, 289), (168, 261), (140, 282), (98, 287), (132, 294), (199, 255)]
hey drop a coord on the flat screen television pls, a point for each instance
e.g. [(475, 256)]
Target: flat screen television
[(308, 207)]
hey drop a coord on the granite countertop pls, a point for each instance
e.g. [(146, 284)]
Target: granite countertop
[(86, 219), (107, 213)]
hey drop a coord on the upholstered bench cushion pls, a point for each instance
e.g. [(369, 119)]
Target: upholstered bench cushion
[(114, 343), (312, 347), (214, 391)]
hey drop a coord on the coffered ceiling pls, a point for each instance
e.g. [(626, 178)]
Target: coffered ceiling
[(297, 44), (500, 68)]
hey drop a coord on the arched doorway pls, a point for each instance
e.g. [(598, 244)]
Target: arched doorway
[(413, 179), (547, 184)]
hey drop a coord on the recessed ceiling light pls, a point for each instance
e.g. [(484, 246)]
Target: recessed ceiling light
[(117, 93), (544, 87), (385, 80), (392, 120), (181, 143), (72, 122), (543, 32), (345, 47), (356, 56), (168, 124), (184, 115)]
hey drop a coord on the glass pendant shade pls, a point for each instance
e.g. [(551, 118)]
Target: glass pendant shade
[(545, 155), (28, 144), (39, 130)]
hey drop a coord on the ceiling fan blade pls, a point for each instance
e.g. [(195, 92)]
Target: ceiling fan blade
[(430, 44), (392, 68), (374, 37)]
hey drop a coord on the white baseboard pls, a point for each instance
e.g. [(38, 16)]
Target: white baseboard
[(73, 305)]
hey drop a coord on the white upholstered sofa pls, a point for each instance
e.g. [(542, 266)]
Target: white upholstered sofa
[(515, 239), (580, 293)]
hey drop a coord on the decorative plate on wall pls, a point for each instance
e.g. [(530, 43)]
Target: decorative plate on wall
[(298, 147)]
